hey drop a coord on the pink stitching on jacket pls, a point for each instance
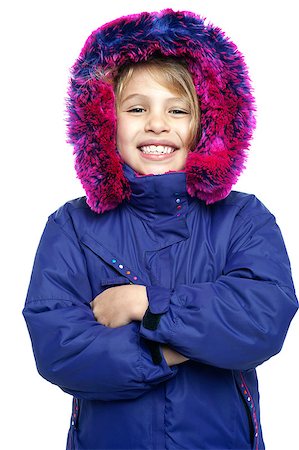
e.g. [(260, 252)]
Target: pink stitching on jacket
[(252, 406)]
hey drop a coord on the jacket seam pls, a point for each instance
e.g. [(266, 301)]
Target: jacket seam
[(244, 217), (68, 220), (36, 300), (62, 225), (76, 242)]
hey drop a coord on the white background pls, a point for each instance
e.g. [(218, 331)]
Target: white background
[(39, 42)]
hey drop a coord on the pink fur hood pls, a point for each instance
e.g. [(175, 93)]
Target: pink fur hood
[(222, 84)]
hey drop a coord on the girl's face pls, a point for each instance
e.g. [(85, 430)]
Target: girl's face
[(153, 126)]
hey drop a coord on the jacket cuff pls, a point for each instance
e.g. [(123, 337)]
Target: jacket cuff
[(159, 303), (158, 298), (155, 371), (155, 351)]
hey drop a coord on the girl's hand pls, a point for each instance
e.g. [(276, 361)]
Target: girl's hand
[(120, 305), (172, 357)]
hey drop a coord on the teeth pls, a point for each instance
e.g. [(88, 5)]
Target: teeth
[(156, 149)]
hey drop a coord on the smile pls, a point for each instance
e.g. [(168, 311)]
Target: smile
[(156, 149)]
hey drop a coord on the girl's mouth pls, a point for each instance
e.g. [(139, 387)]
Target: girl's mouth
[(156, 149), (154, 152)]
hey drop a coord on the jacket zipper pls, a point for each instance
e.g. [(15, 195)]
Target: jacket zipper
[(251, 411), (74, 421), (249, 418)]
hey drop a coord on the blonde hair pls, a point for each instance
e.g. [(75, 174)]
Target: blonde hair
[(173, 75)]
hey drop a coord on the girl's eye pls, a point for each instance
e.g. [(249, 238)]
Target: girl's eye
[(178, 111), (136, 110)]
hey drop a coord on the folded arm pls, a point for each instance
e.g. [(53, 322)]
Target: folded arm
[(120, 305), (72, 350), (240, 319)]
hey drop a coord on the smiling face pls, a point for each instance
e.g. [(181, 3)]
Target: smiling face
[(153, 125)]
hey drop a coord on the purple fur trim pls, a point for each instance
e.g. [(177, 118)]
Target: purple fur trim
[(222, 84)]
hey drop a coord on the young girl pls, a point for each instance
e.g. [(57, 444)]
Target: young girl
[(153, 299)]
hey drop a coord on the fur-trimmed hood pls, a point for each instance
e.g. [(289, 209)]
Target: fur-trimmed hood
[(222, 84)]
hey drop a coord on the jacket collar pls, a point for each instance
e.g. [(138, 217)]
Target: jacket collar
[(155, 197), (162, 203)]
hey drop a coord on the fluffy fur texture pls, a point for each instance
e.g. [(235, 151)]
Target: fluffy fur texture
[(224, 91)]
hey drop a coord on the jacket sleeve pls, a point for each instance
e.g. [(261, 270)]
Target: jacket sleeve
[(239, 320), (72, 350)]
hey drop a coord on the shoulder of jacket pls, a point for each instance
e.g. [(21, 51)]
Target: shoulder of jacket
[(244, 204), (70, 210), (243, 201)]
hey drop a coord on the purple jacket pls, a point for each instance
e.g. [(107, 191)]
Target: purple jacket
[(213, 260)]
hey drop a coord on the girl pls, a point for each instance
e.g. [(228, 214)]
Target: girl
[(153, 299)]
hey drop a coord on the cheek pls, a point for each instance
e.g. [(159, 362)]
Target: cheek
[(186, 132), (121, 134), (125, 130)]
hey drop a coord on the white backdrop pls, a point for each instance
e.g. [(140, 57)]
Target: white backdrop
[(39, 42)]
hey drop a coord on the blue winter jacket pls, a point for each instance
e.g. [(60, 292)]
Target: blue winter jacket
[(213, 261), (220, 292)]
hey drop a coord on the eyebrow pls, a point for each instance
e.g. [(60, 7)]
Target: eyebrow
[(144, 97)]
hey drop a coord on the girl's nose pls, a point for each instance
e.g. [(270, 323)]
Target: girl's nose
[(157, 123)]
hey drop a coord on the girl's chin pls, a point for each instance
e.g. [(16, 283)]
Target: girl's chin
[(158, 164), (158, 158), (158, 169)]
